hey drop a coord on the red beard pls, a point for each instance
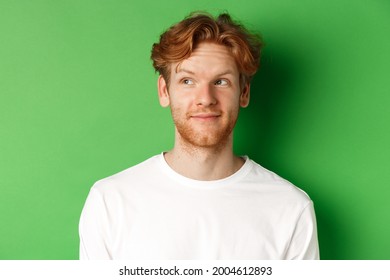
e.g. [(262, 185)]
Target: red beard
[(208, 134)]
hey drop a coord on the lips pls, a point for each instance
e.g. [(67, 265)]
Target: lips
[(205, 116)]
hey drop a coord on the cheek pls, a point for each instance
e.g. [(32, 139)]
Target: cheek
[(177, 111), (232, 102), (235, 108), (181, 102)]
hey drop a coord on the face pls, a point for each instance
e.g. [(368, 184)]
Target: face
[(204, 95)]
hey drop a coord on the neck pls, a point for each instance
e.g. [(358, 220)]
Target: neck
[(203, 164)]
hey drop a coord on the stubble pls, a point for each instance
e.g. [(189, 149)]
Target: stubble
[(195, 135)]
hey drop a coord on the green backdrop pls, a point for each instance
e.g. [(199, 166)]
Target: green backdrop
[(78, 102)]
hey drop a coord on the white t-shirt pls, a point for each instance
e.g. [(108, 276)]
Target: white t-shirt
[(151, 212)]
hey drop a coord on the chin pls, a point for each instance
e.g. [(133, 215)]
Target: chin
[(205, 137), (208, 141)]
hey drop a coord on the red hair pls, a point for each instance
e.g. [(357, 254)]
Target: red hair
[(181, 39)]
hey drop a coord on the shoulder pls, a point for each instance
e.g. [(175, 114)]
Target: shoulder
[(130, 176), (268, 182)]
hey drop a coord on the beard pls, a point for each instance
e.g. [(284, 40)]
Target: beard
[(197, 134)]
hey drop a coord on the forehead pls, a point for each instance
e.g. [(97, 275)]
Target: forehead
[(208, 58)]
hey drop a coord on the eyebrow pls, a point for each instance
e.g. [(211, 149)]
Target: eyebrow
[(184, 70), (193, 73)]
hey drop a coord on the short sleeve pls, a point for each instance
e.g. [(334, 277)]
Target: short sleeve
[(94, 229), (304, 241)]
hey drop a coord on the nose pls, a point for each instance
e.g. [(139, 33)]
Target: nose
[(205, 96)]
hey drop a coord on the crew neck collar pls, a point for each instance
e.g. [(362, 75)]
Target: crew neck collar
[(242, 172)]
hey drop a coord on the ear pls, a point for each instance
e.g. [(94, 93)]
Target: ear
[(245, 96), (163, 94)]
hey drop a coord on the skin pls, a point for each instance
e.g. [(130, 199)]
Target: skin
[(205, 96)]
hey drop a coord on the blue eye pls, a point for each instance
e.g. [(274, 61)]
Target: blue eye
[(221, 82), (188, 82)]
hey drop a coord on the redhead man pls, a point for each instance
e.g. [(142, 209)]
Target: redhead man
[(199, 200)]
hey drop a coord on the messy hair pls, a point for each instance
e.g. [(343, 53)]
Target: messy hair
[(181, 39)]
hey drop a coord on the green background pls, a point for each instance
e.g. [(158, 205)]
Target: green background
[(78, 102)]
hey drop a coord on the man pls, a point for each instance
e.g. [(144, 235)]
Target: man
[(199, 200)]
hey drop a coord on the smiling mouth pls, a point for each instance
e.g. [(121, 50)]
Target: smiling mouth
[(205, 116)]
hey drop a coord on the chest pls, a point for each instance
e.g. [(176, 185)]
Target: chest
[(199, 227)]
